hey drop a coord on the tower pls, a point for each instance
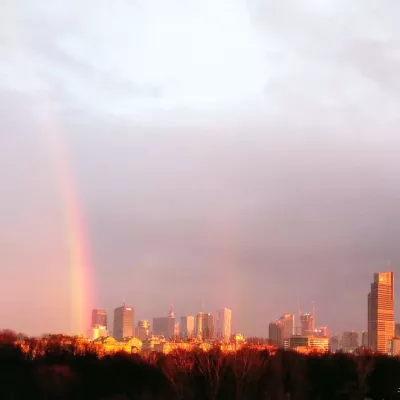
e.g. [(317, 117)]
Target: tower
[(381, 312), (123, 322), (224, 324)]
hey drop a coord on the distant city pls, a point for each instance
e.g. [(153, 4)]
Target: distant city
[(288, 332)]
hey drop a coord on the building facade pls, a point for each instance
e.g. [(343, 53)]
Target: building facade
[(99, 317), (275, 333), (381, 312), (123, 322), (349, 341), (186, 327), (307, 324), (142, 330), (287, 324), (164, 326), (364, 339), (224, 330), (205, 326)]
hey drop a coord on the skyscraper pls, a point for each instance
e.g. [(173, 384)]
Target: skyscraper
[(287, 321), (381, 312), (307, 324), (364, 338), (224, 323), (397, 330), (275, 333), (99, 317), (205, 326), (123, 322), (186, 327), (165, 326)]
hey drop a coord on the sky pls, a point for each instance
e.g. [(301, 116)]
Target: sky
[(223, 153)]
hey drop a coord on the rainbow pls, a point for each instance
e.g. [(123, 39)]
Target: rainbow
[(78, 250)]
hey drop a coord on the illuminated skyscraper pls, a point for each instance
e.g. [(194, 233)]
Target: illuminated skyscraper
[(307, 324), (123, 322), (381, 312), (287, 323), (186, 327), (224, 322), (205, 326), (99, 317)]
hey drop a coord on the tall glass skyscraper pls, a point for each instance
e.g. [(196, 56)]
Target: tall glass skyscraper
[(381, 312)]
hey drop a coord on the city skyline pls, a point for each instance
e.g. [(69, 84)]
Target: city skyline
[(238, 154)]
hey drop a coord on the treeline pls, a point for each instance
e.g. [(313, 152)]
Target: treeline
[(63, 372)]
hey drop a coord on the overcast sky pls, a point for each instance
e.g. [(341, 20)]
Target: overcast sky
[(225, 154)]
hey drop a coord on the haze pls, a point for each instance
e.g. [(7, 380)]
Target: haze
[(225, 154)]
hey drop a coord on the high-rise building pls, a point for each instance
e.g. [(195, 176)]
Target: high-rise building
[(205, 325), (123, 322), (397, 330), (275, 333), (165, 326), (99, 317), (142, 330), (307, 324), (335, 343), (381, 312), (186, 327), (364, 339), (224, 330), (287, 322), (349, 341)]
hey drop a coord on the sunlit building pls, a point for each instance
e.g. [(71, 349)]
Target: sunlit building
[(224, 330), (165, 326), (186, 327), (381, 312), (205, 326), (97, 331), (142, 330), (308, 343), (349, 341), (394, 347), (307, 324), (99, 317), (123, 322), (287, 325)]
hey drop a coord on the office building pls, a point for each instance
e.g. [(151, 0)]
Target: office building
[(224, 330), (165, 326), (381, 312), (307, 324), (309, 343), (142, 330), (123, 322), (287, 325), (99, 317), (275, 333), (349, 341), (186, 327), (364, 339), (205, 326), (335, 343)]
